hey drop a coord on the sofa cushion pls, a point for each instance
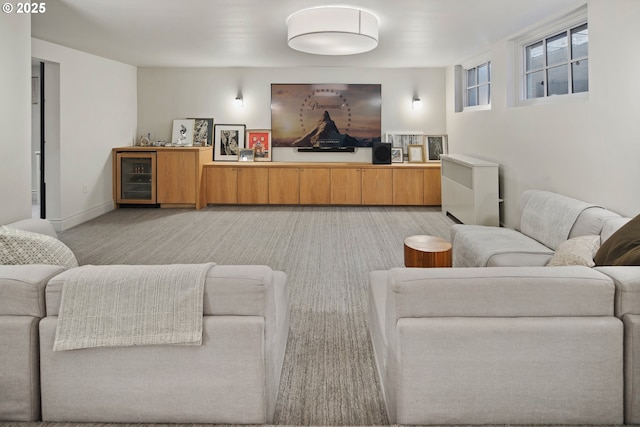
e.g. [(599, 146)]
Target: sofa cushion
[(499, 292), (623, 247), (25, 247), (577, 251), (591, 221)]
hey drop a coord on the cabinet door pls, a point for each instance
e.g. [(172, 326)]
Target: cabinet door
[(408, 186), (346, 186), (377, 187), (253, 185), (221, 185), (284, 186), (177, 177), (432, 187), (315, 186)]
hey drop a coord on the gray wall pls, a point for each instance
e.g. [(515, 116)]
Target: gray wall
[(165, 94)]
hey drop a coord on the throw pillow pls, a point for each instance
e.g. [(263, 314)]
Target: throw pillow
[(576, 251), (622, 248), (24, 247)]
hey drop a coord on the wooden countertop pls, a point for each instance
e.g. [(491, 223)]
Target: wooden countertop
[(405, 165)]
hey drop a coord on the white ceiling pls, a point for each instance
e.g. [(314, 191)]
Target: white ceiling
[(253, 33)]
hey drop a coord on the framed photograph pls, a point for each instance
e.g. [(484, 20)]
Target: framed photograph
[(260, 141), (202, 132), (182, 135), (416, 153), (436, 146), (396, 155), (228, 141), (404, 139), (246, 155)]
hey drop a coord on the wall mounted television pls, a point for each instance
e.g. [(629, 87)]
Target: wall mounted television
[(325, 115)]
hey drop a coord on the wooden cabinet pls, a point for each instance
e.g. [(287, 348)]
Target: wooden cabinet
[(315, 186), (221, 185), (284, 186), (408, 187), (280, 183), (179, 174), (346, 186), (377, 186), (253, 186)]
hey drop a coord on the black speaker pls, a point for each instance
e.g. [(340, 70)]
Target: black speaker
[(381, 153)]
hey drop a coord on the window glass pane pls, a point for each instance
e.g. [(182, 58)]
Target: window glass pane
[(471, 77), (557, 80), (483, 95), (534, 56), (580, 76), (535, 85), (557, 50), (483, 74), (472, 97), (580, 42)]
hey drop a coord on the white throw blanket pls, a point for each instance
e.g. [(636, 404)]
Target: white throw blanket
[(127, 305), (548, 217)]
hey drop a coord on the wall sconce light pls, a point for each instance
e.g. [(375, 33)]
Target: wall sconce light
[(416, 103), (238, 102)]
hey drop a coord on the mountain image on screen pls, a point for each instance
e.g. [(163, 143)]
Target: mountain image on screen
[(326, 134)]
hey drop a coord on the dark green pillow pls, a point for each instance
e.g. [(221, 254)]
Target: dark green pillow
[(623, 247)]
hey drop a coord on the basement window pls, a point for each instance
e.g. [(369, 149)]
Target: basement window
[(478, 85), (554, 61)]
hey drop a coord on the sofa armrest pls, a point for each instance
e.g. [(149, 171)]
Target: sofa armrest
[(627, 282), (35, 225), (22, 288)]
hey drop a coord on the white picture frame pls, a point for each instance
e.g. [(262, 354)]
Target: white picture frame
[(396, 155), (436, 146), (182, 134)]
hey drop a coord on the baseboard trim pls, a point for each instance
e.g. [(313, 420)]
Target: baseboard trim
[(73, 220)]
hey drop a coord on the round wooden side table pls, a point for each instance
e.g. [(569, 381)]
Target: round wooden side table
[(426, 251)]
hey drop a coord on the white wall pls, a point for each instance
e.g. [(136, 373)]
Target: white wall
[(165, 94), (15, 117), (586, 149), (97, 110)]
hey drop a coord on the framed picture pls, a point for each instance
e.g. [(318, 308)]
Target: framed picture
[(416, 153), (436, 146), (202, 132), (228, 141), (246, 155), (396, 155), (260, 141), (404, 139), (182, 135)]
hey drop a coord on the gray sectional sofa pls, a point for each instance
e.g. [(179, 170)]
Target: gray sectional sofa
[(520, 342), (232, 378)]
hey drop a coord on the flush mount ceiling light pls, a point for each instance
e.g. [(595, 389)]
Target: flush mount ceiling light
[(332, 30)]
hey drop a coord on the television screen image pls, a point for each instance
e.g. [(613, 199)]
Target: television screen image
[(325, 115)]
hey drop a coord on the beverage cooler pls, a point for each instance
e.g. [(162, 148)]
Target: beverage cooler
[(136, 178)]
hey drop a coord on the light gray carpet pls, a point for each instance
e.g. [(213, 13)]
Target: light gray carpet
[(329, 375)]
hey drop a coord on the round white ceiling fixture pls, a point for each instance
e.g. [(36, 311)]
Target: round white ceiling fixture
[(332, 30)]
